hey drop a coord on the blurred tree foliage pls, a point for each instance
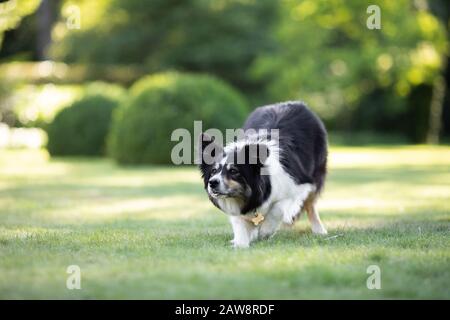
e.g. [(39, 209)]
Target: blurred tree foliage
[(353, 76), (320, 51), (222, 37), (12, 12)]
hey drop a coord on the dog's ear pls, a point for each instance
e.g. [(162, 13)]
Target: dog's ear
[(253, 154), (205, 140), (209, 151)]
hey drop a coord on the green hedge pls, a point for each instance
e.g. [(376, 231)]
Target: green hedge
[(81, 128), (161, 103)]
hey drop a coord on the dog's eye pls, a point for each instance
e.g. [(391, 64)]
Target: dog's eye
[(213, 171), (234, 172)]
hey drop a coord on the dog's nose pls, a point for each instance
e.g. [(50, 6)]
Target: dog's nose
[(213, 183)]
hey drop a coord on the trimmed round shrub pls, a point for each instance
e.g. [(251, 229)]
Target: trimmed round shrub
[(109, 90), (81, 128), (159, 104)]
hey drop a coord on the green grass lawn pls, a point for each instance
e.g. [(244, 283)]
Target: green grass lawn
[(150, 232)]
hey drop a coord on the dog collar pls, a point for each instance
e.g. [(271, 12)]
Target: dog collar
[(257, 219)]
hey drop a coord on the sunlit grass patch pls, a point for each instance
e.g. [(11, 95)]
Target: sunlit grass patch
[(150, 232)]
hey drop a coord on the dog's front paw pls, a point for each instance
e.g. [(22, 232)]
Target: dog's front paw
[(240, 244)]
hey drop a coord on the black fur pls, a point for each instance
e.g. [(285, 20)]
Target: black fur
[(205, 168), (250, 172), (303, 139)]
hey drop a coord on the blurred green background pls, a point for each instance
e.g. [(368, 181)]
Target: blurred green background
[(86, 85), (381, 85)]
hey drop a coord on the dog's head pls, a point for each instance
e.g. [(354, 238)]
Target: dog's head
[(234, 172)]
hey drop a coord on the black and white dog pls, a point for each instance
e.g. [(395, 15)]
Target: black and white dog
[(277, 182)]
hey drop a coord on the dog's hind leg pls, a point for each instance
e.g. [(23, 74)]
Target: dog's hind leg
[(292, 208), (313, 217)]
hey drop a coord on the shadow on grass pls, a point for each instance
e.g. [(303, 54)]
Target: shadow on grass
[(397, 175), (37, 190), (412, 232)]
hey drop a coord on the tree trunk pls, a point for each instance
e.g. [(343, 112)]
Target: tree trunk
[(436, 107), (45, 19)]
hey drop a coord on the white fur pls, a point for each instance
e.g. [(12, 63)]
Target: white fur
[(244, 232), (230, 206)]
